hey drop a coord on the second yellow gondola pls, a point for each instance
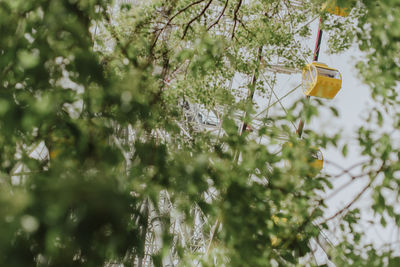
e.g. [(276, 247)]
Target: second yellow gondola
[(313, 157), (317, 161)]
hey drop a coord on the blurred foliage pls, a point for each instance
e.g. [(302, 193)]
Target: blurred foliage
[(105, 87)]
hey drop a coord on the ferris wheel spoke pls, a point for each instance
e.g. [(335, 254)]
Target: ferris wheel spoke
[(306, 24), (278, 100)]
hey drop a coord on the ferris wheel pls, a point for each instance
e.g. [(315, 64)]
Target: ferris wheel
[(317, 80)]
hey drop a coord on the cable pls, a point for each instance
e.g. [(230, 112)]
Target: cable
[(280, 103), (271, 105)]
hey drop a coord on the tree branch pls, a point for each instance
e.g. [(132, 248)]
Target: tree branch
[(353, 178), (219, 17), (350, 203), (195, 18), (345, 170), (114, 34), (184, 9), (245, 27), (357, 197), (174, 16), (235, 17)]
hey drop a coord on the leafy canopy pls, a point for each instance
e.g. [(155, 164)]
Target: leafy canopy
[(101, 160)]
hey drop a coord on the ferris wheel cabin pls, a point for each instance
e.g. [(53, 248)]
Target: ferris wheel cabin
[(333, 8), (319, 80), (317, 161), (313, 157)]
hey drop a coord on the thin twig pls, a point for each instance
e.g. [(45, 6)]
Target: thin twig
[(219, 17), (114, 34), (245, 27), (174, 16), (357, 197), (345, 170), (353, 178), (350, 203), (252, 87), (235, 17), (195, 18)]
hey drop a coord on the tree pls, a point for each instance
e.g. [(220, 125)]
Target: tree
[(106, 90)]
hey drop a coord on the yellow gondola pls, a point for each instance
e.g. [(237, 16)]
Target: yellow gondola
[(321, 81), (315, 158), (334, 9)]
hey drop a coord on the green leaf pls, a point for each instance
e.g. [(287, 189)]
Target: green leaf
[(28, 59), (344, 150), (334, 111)]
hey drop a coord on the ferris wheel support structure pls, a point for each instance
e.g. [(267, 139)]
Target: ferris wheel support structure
[(315, 58), (253, 86)]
